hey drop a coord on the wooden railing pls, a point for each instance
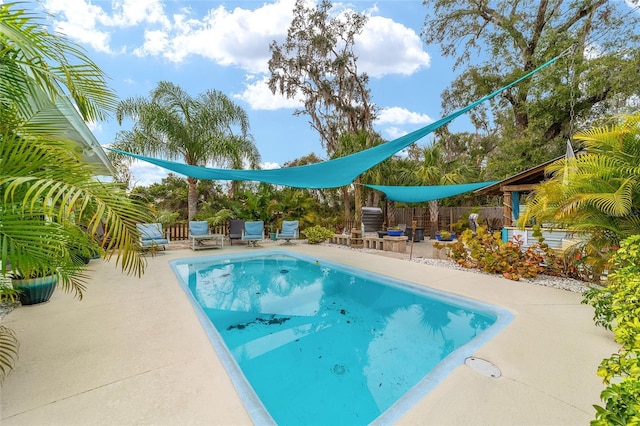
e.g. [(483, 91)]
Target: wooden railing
[(180, 231)]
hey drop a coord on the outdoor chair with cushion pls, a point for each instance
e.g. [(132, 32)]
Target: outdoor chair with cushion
[(253, 232), (151, 235), (236, 226), (288, 232), (199, 233)]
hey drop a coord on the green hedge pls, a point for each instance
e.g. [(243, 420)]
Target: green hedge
[(617, 308)]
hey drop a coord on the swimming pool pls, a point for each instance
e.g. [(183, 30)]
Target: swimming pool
[(307, 341)]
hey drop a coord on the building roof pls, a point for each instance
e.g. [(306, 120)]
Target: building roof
[(522, 180), (78, 131)]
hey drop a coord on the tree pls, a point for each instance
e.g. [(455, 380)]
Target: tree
[(436, 168), (511, 38), (327, 196), (317, 63), (597, 195), (167, 197), (395, 171), (172, 124)]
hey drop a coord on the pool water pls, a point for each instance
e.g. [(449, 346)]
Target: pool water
[(324, 344)]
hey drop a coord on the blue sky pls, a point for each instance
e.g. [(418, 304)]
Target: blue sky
[(203, 44)]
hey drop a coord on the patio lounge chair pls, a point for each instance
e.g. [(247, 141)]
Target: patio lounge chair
[(236, 226), (151, 235), (289, 231), (199, 232), (253, 232)]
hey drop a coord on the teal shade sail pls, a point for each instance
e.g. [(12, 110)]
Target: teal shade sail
[(328, 174), (418, 194)]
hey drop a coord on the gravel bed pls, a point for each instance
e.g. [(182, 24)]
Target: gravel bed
[(569, 284), (6, 307)]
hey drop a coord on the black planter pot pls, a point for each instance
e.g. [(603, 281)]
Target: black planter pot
[(35, 290)]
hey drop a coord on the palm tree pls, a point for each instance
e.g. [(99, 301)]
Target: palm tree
[(172, 124), (351, 143), (596, 194), (436, 169), (51, 203), (395, 171)]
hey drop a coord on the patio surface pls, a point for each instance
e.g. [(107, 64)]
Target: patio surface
[(133, 352)]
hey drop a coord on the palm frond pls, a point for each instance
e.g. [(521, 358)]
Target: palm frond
[(47, 61), (601, 195), (47, 179)]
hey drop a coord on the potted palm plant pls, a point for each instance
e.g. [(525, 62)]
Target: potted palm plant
[(49, 213)]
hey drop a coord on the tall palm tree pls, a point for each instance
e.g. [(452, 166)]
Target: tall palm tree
[(596, 194), (393, 171), (209, 128), (351, 143), (436, 169), (50, 200)]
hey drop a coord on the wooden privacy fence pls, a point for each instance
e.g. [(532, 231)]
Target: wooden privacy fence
[(446, 217)]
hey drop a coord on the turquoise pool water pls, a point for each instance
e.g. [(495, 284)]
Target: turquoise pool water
[(311, 342)]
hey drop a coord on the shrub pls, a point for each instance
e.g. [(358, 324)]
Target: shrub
[(317, 234), (617, 308), (487, 251)]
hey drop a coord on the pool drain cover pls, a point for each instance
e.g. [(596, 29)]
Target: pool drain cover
[(339, 369), (483, 367)]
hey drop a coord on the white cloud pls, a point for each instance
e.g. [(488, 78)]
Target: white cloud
[(388, 47), (155, 43), (238, 37), (89, 24), (78, 20), (398, 115), (259, 97), (133, 12), (394, 132), (269, 166), (145, 174)]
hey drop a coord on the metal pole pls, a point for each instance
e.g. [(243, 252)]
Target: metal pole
[(413, 237)]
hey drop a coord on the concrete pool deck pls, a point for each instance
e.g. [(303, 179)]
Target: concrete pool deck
[(133, 352)]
